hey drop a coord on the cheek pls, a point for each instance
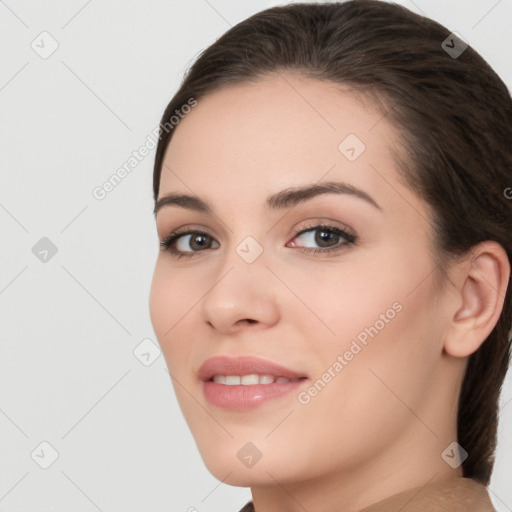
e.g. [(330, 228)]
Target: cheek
[(170, 303), (336, 302), (160, 302), (390, 347), (353, 413), (378, 340)]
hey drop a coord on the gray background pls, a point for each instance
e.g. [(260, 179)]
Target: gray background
[(70, 324)]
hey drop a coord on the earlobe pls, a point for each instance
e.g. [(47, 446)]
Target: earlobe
[(482, 293)]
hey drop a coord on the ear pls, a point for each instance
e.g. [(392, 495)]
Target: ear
[(483, 284)]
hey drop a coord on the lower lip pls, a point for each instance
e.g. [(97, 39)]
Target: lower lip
[(245, 398)]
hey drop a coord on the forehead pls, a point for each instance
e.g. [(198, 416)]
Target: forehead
[(283, 130)]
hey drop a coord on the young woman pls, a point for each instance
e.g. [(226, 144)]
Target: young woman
[(332, 296)]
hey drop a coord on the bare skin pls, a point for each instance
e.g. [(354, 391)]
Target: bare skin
[(380, 425)]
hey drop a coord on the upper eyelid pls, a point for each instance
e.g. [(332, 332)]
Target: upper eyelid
[(329, 224), (317, 221)]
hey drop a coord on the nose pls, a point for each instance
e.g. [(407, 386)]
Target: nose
[(242, 296)]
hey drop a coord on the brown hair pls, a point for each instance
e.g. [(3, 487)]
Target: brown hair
[(454, 115)]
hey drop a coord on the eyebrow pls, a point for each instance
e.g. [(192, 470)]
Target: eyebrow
[(283, 199)]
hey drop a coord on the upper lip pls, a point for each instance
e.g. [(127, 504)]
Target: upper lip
[(244, 365)]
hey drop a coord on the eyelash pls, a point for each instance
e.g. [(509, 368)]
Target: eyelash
[(168, 241)]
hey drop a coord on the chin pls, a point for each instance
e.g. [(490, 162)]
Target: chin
[(242, 463), (236, 475)]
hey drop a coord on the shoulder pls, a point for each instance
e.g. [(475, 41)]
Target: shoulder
[(249, 507), (451, 495)]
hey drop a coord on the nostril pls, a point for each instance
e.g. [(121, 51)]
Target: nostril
[(250, 320)]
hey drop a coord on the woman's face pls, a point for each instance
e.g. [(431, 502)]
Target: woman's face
[(349, 308)]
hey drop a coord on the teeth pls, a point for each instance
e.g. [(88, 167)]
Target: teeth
[(232, 380), (249, 380)]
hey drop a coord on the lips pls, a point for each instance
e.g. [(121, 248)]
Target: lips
[(241, 384), (244, 365)]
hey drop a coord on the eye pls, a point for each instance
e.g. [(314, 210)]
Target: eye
[(187, 243), (327, 238)]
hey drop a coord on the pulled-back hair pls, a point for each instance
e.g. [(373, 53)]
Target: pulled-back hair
[(454, 117)]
